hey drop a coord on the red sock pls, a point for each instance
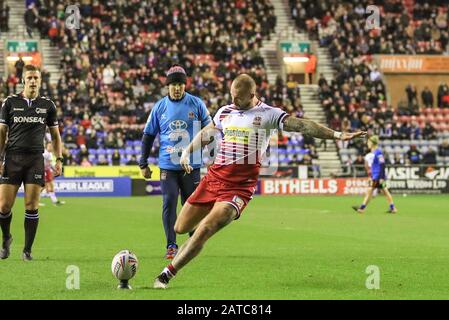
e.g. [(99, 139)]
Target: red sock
[(172, 269)]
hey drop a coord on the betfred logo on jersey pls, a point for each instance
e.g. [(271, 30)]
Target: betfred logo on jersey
[(28, 120)]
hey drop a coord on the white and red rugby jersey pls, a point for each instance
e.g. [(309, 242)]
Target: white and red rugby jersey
[(245, 138)]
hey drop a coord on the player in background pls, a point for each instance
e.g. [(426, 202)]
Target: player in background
[(49, 176), (24, 118), (245, 127), (377, 177), (369, 157), (173, 118)]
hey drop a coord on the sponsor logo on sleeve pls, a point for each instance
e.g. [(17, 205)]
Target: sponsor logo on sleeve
[(257, 121), (40, 110)]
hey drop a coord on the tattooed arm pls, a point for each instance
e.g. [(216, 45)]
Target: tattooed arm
[(317, 130), (203, 138)]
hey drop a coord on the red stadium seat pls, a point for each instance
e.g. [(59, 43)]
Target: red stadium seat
[(430, 118), (439, 118), (443, 127), (427, 110)]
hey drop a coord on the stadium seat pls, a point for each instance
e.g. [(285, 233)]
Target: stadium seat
[(408, 142), (129, 143), (389, 149), (282, 151)]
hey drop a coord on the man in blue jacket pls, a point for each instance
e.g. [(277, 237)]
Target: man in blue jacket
[(176, 118)]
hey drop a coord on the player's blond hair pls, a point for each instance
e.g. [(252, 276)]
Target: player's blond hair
[(245, 82)]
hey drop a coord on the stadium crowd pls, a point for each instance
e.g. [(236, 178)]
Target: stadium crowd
[(356, 98), (113, 67)]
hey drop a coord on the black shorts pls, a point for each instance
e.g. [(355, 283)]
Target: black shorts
[(376, 184), (23, 168)]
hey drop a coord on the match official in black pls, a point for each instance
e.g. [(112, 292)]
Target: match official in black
[(23, 121)]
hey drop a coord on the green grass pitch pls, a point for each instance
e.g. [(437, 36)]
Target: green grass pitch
[(283, 247)]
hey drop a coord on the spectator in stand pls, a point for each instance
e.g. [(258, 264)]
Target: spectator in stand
[(413, 155), (4, 17), (116, 158), (85, 162), (110, 141), (398, 159), (92, 140), (11, 83), (386, 131), (132, 161), (427, 97), (19, 65), (375, 75), (405, 131), (443, 149), (102, 160), (412, 95), (443, 90), (322, 81), (415, 131), (83, 153), (30, 19), (294, 161), (335, 123), (68, 157), (429, 132), (282, 140), (430, 157), (445, 97), (310, 68)]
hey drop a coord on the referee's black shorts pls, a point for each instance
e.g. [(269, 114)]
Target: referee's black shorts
[(23, 168)]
